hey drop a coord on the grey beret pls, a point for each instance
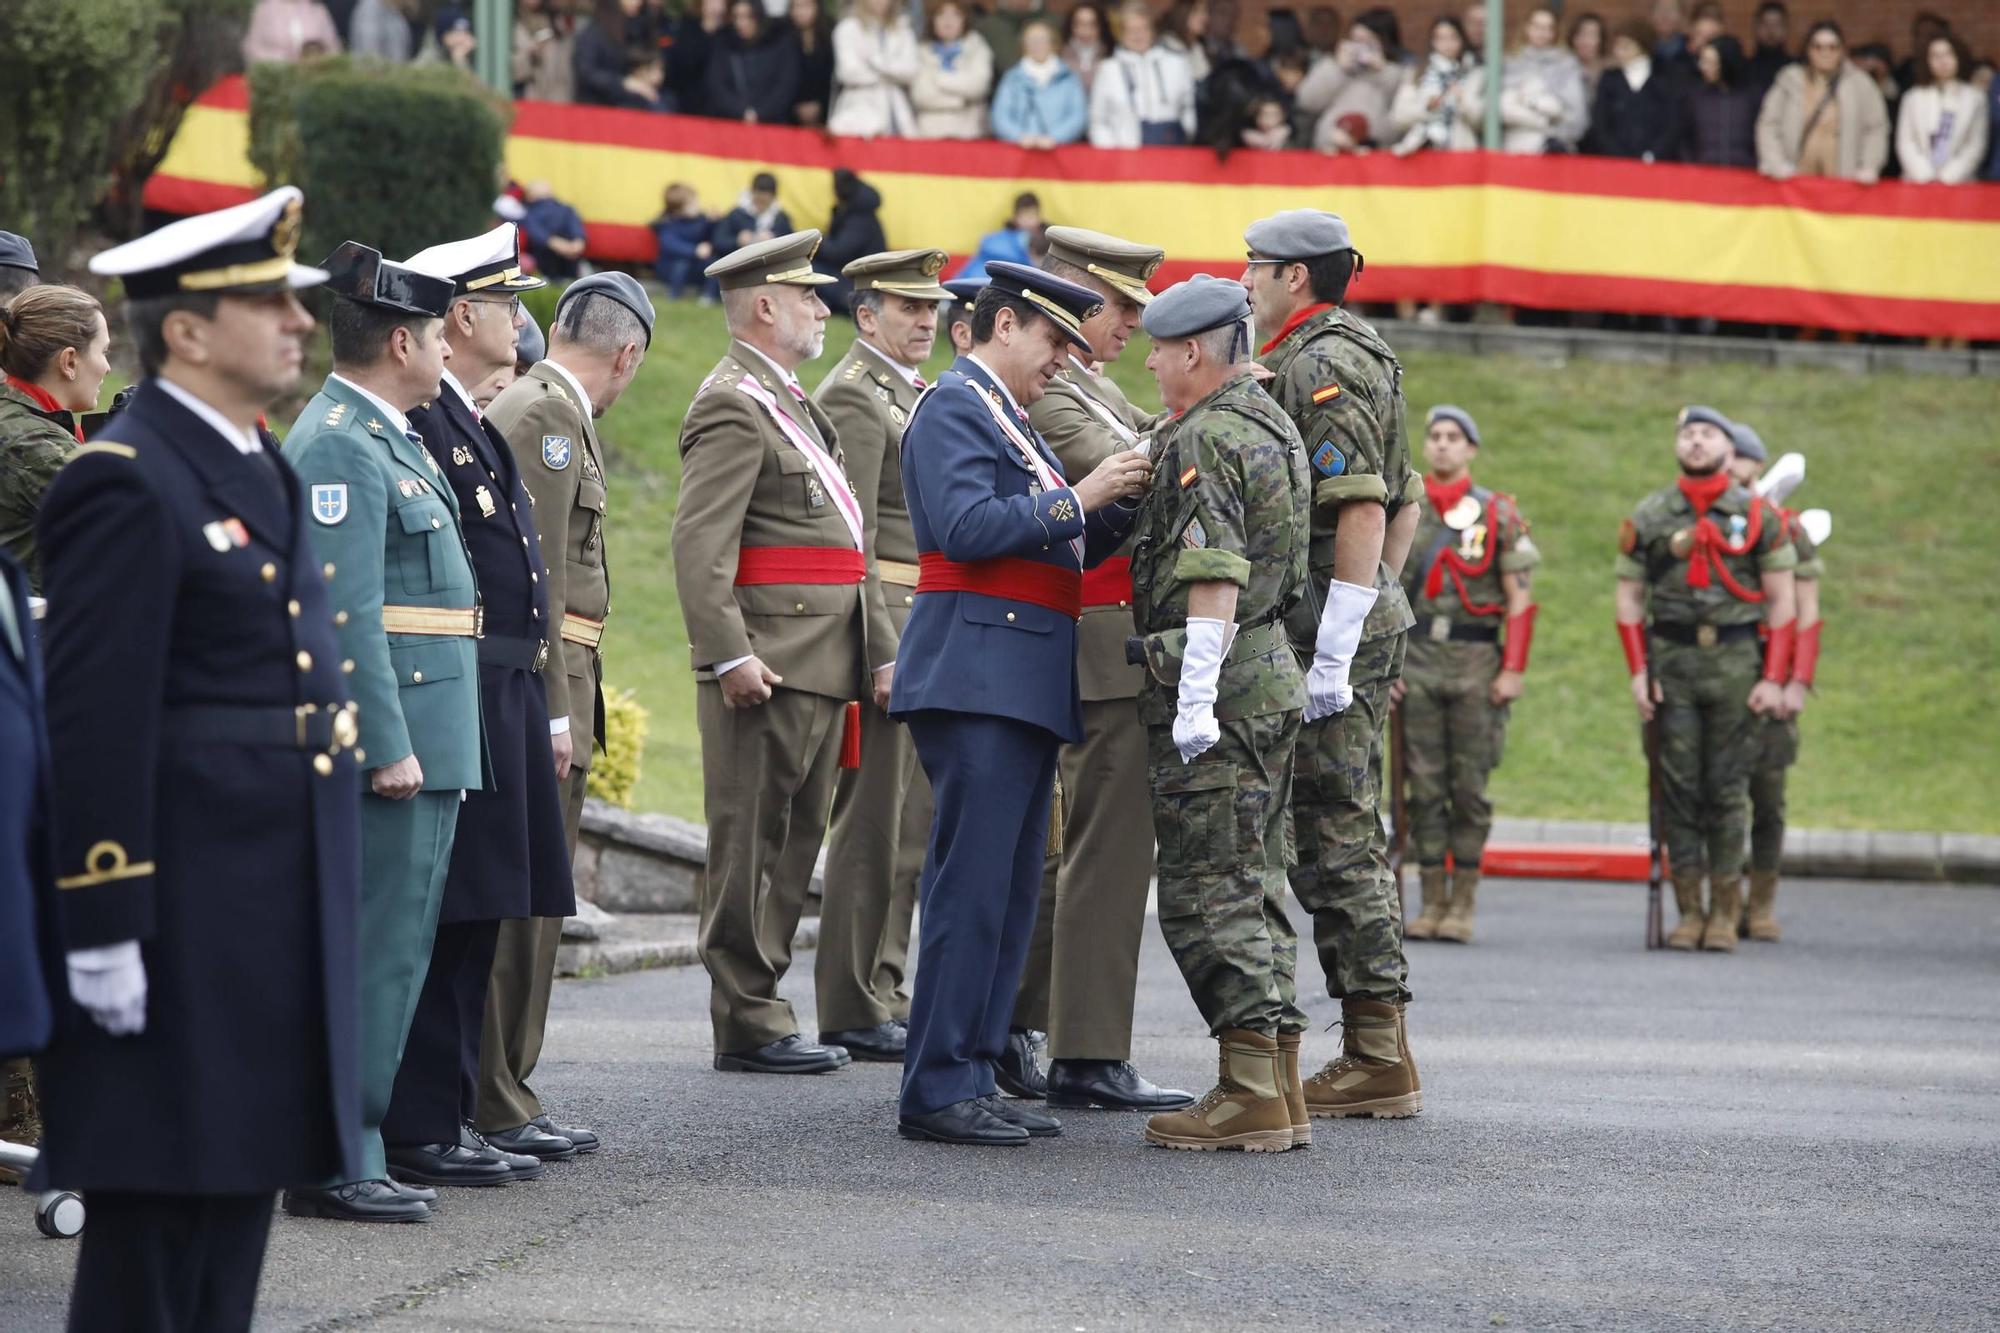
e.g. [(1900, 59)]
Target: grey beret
[(1749, 444), (1446, 412), (531, 346), (620, 287), (1196, 306), (1298, 233), (15, 252), (1692, 414)]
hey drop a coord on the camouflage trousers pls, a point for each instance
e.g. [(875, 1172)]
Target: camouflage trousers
[(1452, 738), (1777, 750), (1223, 824), (1342, 876), (1708, 745)]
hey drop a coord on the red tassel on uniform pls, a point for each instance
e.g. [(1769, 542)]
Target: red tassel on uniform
[(850, 737)]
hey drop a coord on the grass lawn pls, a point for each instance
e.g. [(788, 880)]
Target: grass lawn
[(1902, 723)]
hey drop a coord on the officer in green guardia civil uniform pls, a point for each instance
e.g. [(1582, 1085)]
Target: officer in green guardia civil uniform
[(1342, 387), (407, 615), (1468, 585), (1083, 962), (1701, 565), (1219, 557)]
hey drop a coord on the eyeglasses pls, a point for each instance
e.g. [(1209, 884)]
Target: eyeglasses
[(512, 305), (1274, 263)]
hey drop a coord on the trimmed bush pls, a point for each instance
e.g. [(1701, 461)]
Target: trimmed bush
[(614, 774)]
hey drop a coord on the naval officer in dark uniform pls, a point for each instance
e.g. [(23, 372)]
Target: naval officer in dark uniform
[(987, 682), (205, 798)]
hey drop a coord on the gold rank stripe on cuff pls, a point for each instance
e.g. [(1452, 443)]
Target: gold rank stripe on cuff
[(898, 572), (446, 620), (106, 863), (582, 629)]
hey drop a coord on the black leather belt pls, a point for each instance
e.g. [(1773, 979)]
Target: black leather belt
[(1454, 631), (1704, 636), (329, 728), (507, 651)]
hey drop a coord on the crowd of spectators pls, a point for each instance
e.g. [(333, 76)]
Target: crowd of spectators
[(1671, 85)]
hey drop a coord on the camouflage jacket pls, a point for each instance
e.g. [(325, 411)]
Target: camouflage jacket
[(1654, 549), (1229, 503), (1458, 557), (1343, 388), (34, 444), (1810, 565)]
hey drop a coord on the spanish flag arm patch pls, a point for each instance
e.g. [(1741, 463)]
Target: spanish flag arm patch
[(1326, 393), (1187, 478)]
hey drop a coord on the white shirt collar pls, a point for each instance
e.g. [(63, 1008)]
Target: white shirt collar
[(396, 419), (998, 383), (908, 373), (450, 381), (785, 377), (223, 426), (576, 386)]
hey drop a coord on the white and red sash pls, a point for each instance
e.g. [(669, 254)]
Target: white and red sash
[(829, 471), (1050, 479)]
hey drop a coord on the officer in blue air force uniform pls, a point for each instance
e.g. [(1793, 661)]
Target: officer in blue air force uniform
[(204, 797), (386, 523), (987, 682)]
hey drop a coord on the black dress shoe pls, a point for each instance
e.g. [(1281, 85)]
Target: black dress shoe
[(582, 1139), (1110, 1085), (421, 1193), (446, 1164), (519, 1166), (1016, 1071), (787, 1055), (1039, 1124), (967, 1122), (362, 1201), (882, 1044), (531, 1140)]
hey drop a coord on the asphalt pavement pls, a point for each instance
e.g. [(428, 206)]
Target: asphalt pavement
[(1800, 1136)]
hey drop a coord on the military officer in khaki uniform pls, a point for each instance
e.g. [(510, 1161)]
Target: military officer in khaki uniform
[(596, 344), (881, 810), (1083, 964), (768, 549)]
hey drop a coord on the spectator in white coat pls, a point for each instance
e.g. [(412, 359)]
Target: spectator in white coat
[(954, 77), (1941, 128), (1542, 106), (1359, 88), (1144, 94), (874, 63), (1439, 105)]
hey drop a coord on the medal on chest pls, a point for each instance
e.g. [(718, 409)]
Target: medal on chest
[(1461, 516), (484, 498), (815, 493), (1472, 542), (461, 456)]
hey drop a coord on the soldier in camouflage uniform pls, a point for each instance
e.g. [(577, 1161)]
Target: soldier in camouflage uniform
[(1220, 557), (1342, 387), (1469, 581), (1777, 737), (1701, 564)]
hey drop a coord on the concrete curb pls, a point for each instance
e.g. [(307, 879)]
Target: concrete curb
[(645, 940)]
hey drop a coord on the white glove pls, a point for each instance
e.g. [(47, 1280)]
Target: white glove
[(1195, 727), (1347, 605), (109, 984)]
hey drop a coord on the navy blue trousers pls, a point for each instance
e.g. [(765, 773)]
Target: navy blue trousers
[(991, 778)]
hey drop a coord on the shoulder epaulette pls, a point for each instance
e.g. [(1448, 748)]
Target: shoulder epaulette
[(107, 447), (333, 417), (854, 368)]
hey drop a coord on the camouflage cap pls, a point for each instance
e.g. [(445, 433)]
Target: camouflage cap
[(1124, 265), (1695, 412), (1463, 418), (782, 260), (1749, 444), (1201, 303), (1298, 233), (912, 273)]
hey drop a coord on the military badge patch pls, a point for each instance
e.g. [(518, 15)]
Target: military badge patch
[(329, 503), (897, 414), (1062, 510), (556, 451), (1194, 535), (218, 540), (1329, 460), (1326, 393), (485, 498), (1187, 478), (1628, 537), (461, 456)]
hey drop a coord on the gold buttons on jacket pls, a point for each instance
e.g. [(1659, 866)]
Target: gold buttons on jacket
[(416, 678), (292, 607), (798, 606), (328, 568), (269, 573), (340, 617), (1010, 617), (305, 660), (347, 667), (323, 765), (908, 600)]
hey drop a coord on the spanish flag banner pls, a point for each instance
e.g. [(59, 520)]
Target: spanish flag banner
[(1555, 232)]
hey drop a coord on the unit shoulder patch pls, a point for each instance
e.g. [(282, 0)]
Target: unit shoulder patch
[(1194, 535), (557, 450), (329, 502), (1187, 477), (1328, 459)]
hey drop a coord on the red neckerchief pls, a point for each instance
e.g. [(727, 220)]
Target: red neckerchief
[(1709, 544), (45, 400), (1442, 496), (1292, 324)]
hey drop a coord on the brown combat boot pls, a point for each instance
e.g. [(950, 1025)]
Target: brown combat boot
[(1403, 1048), (1687, 898), (1295, 1093), (1758, 921), (1725, 902), (1370, 1077), (1245, 1110), (1457, 923), (1436, 891)]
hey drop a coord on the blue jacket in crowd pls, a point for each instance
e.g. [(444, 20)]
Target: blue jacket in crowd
[(1022, 107)]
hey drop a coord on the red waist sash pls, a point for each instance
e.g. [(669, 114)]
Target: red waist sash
[(1110, 584), (799, 564), (1007, 577)]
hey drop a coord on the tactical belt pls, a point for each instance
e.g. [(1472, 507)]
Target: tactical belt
[(758, 565), (465, 622), (1443, 629), (331, 728), (1252, 640), (1704, 636), (506, 650), (1109, 584), (899, 572), (1009, 578), (582, 629)]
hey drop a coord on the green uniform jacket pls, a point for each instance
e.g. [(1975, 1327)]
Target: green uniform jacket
[(1484, 524), (1343, 388), (869, 404), (1646, 555), (34, 445), (386, 524)]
